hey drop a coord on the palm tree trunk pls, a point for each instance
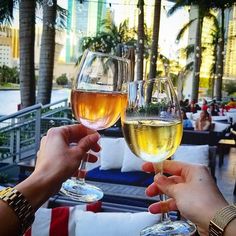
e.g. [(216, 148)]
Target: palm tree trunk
[(155, 39), (27, 37), (154, 47), (220, 58), (47, 51), (197, 61), (140, 44), (180, 85)]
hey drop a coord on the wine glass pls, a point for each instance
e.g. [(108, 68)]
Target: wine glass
[(152, 127), (97, 98)]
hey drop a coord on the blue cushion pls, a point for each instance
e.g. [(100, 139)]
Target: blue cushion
[(148, 181), (136, 178)]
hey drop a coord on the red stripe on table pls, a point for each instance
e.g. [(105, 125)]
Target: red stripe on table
[(59, 221)]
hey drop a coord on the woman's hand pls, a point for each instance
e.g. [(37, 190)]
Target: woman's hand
[(63, 148), (59, 156), (57, 160), (191, 190)]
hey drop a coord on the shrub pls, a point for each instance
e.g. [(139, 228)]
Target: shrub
[(62, 80)]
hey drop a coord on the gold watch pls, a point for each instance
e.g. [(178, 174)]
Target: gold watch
[(221, 219), (20, 206)]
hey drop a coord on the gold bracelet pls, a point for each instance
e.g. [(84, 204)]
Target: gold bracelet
[(20, 205), (221, 219)]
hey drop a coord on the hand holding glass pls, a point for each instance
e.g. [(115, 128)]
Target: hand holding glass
[(97, 98), (152, 127)]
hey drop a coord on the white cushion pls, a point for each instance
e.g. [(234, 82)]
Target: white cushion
[(131, 162), (110, 223), (112, 153), (197, 154), (219, 127)]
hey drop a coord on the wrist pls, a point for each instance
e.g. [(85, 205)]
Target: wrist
[(37, 189), (221, 221)]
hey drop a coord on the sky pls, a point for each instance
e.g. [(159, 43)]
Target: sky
[(169, 28)]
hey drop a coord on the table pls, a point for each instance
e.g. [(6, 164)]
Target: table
[(222, 144)]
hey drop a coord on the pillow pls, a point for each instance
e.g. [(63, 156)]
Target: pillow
[(111, 223), (197, 154), (112, 153), (131, 162), (59, 220)]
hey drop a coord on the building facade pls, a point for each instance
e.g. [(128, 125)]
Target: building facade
[(9, 46)]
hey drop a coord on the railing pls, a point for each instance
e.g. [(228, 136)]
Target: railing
[(20, 132)]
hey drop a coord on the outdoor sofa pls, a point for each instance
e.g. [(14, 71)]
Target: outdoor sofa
[(118, 164)]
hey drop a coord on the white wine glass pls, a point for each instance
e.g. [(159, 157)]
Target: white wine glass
[(97, 98), (152, 127)]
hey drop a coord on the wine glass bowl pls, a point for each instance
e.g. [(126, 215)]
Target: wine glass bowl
[(97, 98), (152, 124), (152, 127)]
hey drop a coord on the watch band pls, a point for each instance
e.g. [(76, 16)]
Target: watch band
[(20, 206), (221, 219)]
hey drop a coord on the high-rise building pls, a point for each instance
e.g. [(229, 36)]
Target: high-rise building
[(208, 57), (9, 46), (230, 56), (84, 19)]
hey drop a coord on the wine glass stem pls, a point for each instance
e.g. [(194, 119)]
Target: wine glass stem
[(82, 170), (158, 167)]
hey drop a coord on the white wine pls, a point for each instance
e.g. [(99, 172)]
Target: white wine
[(97, 110), (153, 140)]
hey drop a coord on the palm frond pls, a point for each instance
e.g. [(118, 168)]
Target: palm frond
[(188, 50), (178, 5), (6, 11), (183, 30), (188, 67)]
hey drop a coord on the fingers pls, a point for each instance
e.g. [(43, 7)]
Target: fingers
[(153, 189), (72, 133), (91, 158), (85, 144), (76, 132), (148, 167), (163, 206), (170, 167)]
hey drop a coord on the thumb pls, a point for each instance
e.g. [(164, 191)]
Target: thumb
[(165, 184)]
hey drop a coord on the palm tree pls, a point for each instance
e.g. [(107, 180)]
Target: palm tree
[(203, 8), (27, 36), (109, 37), (155, 38), (221, 5), (47, 53), (140, 43)]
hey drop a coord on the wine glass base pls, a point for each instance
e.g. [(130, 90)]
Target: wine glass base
[(81, 191), (170, 228)]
